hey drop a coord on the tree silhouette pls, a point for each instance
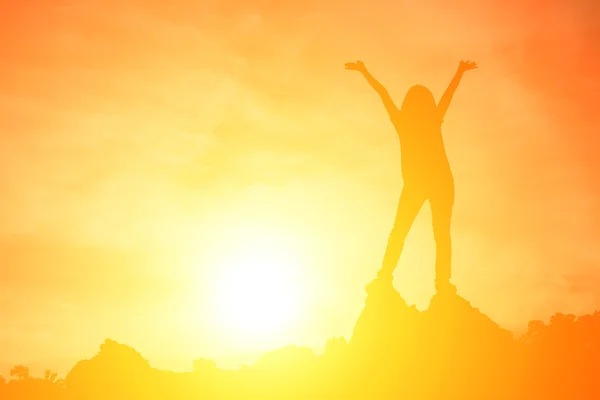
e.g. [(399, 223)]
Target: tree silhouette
[(19, 371), (50, 376)]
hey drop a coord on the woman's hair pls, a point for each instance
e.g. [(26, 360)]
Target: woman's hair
[(419, 103)]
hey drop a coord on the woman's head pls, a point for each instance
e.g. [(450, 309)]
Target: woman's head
[(419, 102)]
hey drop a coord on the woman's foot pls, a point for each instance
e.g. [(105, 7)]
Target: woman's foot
[(385, 275), (383, 280), (445, 288)]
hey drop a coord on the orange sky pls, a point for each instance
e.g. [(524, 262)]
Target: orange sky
[(133, 137)]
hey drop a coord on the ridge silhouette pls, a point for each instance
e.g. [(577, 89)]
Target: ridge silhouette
[(449, 351)]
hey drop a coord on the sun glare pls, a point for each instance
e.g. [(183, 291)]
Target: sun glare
[(256, 290)]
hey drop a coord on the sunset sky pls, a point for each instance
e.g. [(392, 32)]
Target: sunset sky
[(158, 156)]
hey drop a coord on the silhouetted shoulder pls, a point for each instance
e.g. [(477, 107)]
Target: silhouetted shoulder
[(398, 119), (440, 116)]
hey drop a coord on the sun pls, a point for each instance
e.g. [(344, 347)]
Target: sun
[(257, 286)]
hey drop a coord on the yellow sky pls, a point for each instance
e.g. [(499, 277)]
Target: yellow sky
[(136, 139)]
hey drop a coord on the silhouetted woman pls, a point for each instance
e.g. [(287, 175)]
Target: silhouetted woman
[(425, 170)]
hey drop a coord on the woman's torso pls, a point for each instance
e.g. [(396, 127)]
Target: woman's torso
[(423, 155)]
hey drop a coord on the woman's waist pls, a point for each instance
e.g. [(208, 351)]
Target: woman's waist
[(429, 161), (438, 171)]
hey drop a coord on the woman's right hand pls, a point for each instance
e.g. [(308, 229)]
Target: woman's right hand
[(466, 65)]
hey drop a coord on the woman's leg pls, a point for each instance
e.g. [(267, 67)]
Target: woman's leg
[(442, 203), (411, 201)]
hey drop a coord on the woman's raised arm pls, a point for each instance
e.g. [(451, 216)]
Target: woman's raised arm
[(447, 97), (382, 91)]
